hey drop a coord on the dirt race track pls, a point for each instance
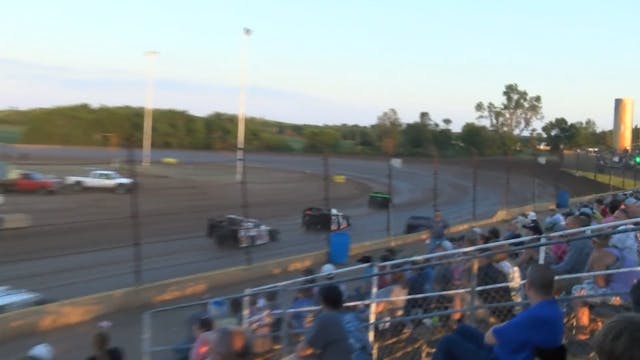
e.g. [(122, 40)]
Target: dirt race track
[(81, 242)]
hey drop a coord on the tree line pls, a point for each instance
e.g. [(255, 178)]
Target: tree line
[(499, 129)]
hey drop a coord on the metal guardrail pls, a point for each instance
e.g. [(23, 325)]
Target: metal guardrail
[(469, 254)]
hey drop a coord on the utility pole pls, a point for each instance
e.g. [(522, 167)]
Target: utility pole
[(243, 99), (148, 110), (134, 215), (389, 192)]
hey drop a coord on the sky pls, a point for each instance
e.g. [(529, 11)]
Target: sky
[(323, 62)]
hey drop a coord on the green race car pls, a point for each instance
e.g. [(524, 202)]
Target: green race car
[(379, 199)]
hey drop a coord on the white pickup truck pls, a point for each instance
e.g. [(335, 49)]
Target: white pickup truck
[(101, 179)]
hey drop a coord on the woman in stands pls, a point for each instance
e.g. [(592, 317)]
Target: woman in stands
[(604, 257)]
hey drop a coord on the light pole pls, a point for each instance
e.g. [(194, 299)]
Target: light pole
[(241, 114), (148, 111)]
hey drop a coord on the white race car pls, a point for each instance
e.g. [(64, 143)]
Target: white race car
[(14, 299), (101, 179)]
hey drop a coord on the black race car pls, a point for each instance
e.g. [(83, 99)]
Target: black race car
[(417, 223), (237, 231), (379, 199), (314, 218)]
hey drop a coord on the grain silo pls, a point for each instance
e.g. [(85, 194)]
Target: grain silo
[(622, 123)]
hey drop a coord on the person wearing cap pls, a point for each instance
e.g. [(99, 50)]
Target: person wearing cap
[(438, 229), (626, 241), (329, 272)]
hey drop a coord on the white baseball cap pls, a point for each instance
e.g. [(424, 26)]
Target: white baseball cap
[(328, 270), (532, 216), (41, 352)]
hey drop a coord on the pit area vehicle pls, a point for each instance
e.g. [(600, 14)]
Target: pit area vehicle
[(379, 200), (101, 179), (315, 218), (418, 223), (237, 231), (29, 181)]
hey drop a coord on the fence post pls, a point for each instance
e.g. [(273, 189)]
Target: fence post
[(372, 311), (507, 190), (146, 336), (389, 192), (473, 284), (474, 196), (610, 176), (284, 327), (246, 307)]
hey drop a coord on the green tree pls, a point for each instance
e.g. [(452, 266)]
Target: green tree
[(516, 114), (388, 129), (558, 133), (321, 140), (479, 138)]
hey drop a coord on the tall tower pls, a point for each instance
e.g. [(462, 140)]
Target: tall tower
[(622, 123)]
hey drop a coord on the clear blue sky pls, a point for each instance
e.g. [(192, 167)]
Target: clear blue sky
[(324, 61)]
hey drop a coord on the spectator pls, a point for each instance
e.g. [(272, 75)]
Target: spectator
[(634, 294), (555, 222), (604, 257), (417, 283), (260, 323), (513, 232), (102, 350), (300, 320), (619, 339), (308, 275), (627, 241), (181, 350), (398, 290), (358, 337), (230, 343), (538, 327), (491, 274), (612, 207), (601, 208), (328, 338), (329, 272), (384, 280), (578, 251), (42, 351), (511, 272), (438, 230)]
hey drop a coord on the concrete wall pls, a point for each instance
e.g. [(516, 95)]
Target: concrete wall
[(622, 123)]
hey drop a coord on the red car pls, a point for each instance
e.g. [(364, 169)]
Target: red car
[(29, 181)]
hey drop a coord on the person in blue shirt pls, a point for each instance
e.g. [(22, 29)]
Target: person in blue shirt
[(540, 327)]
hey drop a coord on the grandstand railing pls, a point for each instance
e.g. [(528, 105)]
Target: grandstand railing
[(352, 277)]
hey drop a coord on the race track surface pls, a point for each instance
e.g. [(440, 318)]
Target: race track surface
[(81, 242), (64, 259)]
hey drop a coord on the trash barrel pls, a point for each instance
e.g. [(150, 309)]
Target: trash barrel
[(562, 200), (339, 243)]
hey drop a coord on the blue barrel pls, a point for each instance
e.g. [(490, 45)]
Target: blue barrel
[(562, 200), (339, 243)]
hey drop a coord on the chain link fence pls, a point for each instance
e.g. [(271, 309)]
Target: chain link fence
[(403, 306)]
